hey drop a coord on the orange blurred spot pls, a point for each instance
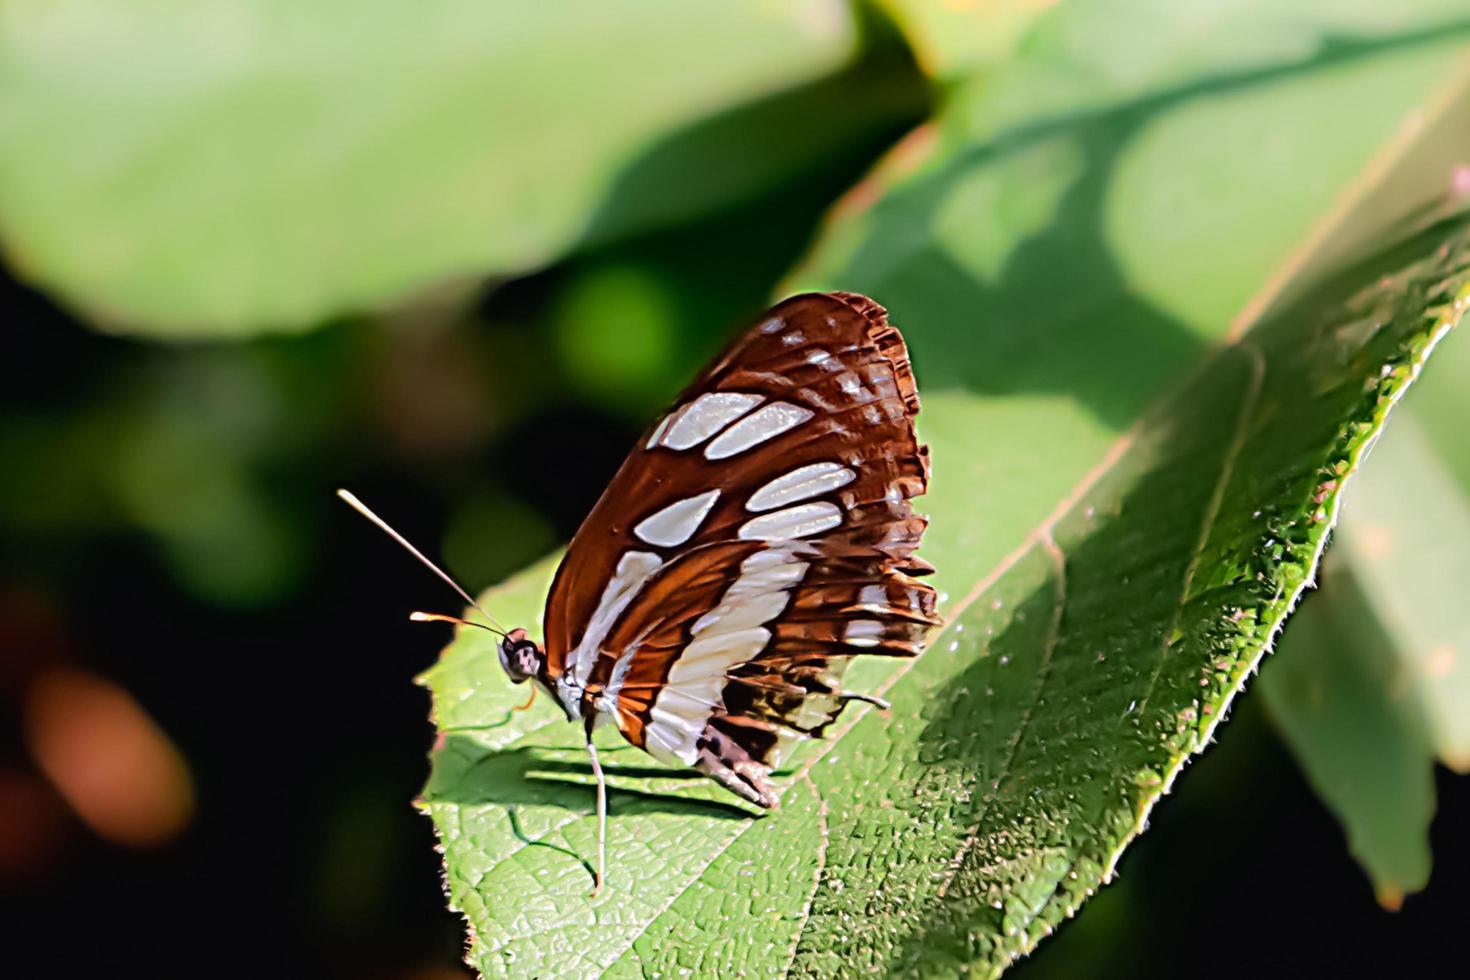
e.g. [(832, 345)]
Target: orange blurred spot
[(107, 758), (1373, 541), (1441, 661), (1390, 898), (1460, 181)]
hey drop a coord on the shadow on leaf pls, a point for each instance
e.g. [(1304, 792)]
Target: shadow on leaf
[(1056, 272), (468, 773)]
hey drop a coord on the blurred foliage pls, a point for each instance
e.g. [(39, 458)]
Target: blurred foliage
[(1374, 679), (615, 329), (958, 38), (500, 238), (185, 448), (226, 167)]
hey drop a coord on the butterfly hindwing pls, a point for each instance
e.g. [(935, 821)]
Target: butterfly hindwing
[(758, 537)]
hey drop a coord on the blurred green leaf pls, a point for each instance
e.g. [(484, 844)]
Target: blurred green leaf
[(175, 477), (1375, 677), (1407, 538), (1441, 404), (186, 447), (1338, 697), (959, 37), (615, 328), (493, 534), (218, 167)]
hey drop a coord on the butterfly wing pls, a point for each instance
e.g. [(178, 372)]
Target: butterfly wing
[(758, 537)]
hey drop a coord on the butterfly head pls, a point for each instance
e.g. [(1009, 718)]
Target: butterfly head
[(521, 656)]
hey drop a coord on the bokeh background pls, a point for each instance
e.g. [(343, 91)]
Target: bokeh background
[(453, 260)]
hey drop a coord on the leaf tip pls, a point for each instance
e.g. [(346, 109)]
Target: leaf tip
[(1390, 897)]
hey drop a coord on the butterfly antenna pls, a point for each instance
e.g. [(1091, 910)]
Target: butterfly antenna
[(428, 617), (362, 509)]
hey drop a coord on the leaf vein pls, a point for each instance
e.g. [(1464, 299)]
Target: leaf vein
[(1212, 509), (823, 839)]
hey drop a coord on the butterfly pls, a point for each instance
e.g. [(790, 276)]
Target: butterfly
[(758, 537)]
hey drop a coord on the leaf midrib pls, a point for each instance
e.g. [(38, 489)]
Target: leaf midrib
[(1212, 514)]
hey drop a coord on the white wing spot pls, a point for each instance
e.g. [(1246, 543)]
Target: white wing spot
[(772, 325), (793, 338), (863, 633), (874, 598), (706, 415), (676, 523), (799, 484), (852, 387), (818, 356), (766, 423), (793, 522)]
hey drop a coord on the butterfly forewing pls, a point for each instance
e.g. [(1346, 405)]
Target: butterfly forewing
[(758, 537)]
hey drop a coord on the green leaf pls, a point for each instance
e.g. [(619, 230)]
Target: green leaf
[(1134, 475), (1351, 722), (1407, 540), (1022, 751), (219, 167), (1374, 679), (953, 40), (1441, 403)]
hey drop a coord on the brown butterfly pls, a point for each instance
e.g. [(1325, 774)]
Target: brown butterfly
[(755, 540)]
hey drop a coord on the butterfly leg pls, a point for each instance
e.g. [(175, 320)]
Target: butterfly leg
[(727, 763), (601, 814), (875, 701)]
